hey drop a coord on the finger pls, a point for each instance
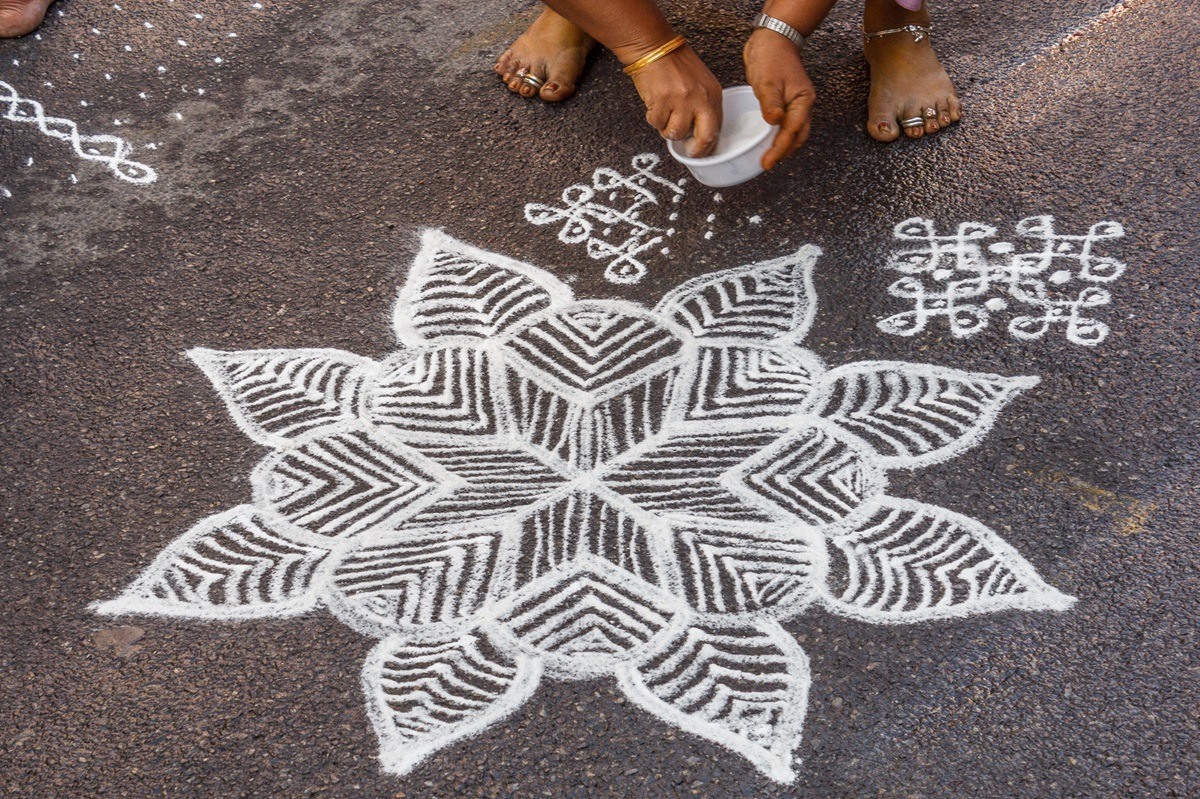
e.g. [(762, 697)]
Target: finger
[(801, 137), (799, 114), (770, 100), (679, 125), (780, 147), (704, 136), (657, 117), (793, 132)]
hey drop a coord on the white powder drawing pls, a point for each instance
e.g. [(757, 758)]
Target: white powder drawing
[(954, 277), (183, 43), (112, 151), (606, 216), (534, 486)]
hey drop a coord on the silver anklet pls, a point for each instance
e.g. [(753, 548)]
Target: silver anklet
[(918, 32)]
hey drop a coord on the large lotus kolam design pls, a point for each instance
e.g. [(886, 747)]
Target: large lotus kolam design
[(536, 487)]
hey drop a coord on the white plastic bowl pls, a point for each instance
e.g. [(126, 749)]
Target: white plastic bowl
[(745, 136)]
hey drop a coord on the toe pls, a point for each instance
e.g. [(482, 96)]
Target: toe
[(508, 73), (913, 112), (943, 113), (563, 70), (883, 127), (516, 70), (527, 90), (560, 82), (955, 108), (931, 120), (555, 91), (501, 67)]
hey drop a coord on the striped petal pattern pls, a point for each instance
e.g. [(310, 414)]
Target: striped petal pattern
[(588, 489)]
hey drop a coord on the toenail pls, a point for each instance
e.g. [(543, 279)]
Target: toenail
[(551, 87), (884, 127)]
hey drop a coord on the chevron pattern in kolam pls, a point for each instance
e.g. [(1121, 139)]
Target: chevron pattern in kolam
[(813, 475), (592, 489), (344, 483)]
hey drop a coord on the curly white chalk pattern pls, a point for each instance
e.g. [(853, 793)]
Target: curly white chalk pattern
[(954, 277), (539, 486), (606, 217), (112, 151)]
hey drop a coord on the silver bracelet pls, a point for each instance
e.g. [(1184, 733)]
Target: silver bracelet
[(779, 26)]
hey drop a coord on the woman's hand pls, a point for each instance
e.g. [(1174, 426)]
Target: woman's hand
[(786, 95), (682, 98)]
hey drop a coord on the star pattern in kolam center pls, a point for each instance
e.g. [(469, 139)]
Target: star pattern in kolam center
[(536, 487)]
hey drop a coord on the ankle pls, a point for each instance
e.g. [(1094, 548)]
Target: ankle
[(884, 14), (558, 26)]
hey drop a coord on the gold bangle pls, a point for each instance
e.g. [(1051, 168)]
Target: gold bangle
[(655, 54)]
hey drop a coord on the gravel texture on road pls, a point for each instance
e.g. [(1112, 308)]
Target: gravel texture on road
[(298, 152)]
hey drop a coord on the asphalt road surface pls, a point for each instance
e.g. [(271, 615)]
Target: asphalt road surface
[(273, 169)]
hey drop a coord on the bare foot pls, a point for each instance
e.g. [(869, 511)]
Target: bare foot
[(19, 17), (552, 49), (907, 80)]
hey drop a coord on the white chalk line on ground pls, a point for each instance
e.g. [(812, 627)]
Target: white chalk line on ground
[(1050, 280), (538, 487), (112, 151), (606, 216)]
